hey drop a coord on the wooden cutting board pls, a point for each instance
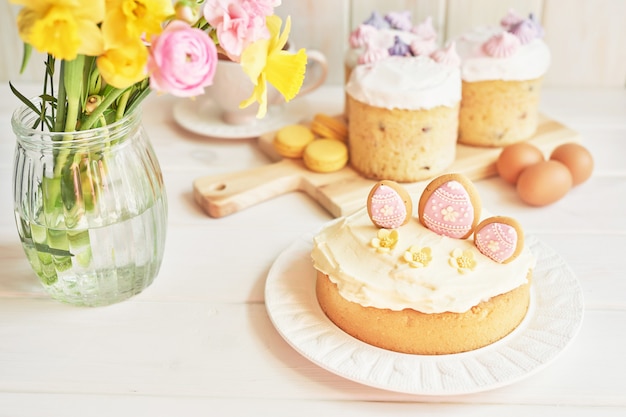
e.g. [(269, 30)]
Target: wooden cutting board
[(344, 191)]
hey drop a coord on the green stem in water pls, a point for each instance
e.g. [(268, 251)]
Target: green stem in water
[(73, 81), (105, 104), (143, 90), (121, 106), (62, 97)]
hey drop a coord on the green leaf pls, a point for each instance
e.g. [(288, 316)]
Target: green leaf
[(42, 247), (137, 99), (31, 105), (28, 50), (24, 99)]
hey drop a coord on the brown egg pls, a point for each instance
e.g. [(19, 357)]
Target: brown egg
[(515, 158), (576, 158), (544, 183)]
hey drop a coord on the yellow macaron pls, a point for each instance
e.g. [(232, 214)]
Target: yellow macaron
[(291, 140), (326, 126), (325, 155)]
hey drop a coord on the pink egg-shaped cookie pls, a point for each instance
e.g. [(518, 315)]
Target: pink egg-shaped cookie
[(450, 206), (389, 205), (500, 238)]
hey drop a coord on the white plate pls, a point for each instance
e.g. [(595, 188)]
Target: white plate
[(551, 323), (202, 116)]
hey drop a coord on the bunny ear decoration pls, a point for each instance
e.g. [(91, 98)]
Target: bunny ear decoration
[(450, 206), (500, 238)]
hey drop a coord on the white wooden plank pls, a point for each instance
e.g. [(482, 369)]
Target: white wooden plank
[(572, 214), (206, 350), (586, 109), (589, 45), (62, 405)]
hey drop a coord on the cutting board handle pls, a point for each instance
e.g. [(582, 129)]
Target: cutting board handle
[(224, 194)]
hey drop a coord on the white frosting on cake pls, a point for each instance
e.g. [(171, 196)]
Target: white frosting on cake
[(410, 83), (363, 275), (530, 61)]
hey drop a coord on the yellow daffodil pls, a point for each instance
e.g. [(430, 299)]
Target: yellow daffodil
[(131, 19), (62, 28), (265, 61), (122, 67)]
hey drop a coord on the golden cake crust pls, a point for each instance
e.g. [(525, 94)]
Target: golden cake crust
[(401, 145), (410, 331), (498, 113)]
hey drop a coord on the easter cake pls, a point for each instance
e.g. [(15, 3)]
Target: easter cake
[(446, 281), (502, 69), (403, 118), (379, 36), (402, 99)]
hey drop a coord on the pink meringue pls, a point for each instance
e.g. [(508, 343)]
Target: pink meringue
[(447, 55), (502, 45), (372, 54), (511, 19), (423, 46), (361, 36), (425, 30)]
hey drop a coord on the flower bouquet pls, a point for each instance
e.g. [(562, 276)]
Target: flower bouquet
[(90, 205)]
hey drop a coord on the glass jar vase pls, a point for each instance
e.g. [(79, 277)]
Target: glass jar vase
[(90, 208)]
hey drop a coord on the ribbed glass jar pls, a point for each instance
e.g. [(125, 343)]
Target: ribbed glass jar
[(90, 208)]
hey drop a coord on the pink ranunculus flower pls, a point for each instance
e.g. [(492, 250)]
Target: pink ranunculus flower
[(182, 60), (239, 23)]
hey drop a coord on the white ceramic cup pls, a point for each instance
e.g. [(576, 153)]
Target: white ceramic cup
[(231, 86)]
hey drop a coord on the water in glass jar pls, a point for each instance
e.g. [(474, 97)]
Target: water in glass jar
[(98, 265)]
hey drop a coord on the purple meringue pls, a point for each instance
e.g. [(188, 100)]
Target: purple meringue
[(399, 48), (399, 20), (538, 27), (525, 31), (377, 21)]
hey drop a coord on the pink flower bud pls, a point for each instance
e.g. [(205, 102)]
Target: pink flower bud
[(182, 60)]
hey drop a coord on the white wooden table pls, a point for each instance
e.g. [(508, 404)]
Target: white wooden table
[(199, 340)]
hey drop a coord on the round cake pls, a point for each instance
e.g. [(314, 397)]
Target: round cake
[(501, 69), (412, 290), (403, 118)]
